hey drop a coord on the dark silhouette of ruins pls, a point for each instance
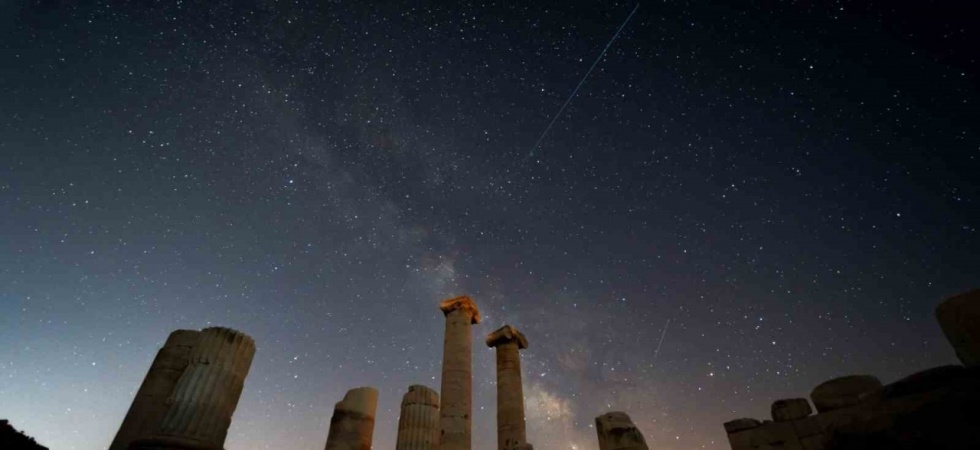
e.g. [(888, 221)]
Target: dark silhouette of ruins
[(931, 409), (189, 394)]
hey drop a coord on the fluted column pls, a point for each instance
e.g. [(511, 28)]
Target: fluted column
[(457, 373), (352, 424), (418, 424), (511, 431), (207, 393), (617, 432), (149, 406)]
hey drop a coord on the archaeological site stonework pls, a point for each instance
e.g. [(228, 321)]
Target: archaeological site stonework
[(457, 373), (418, 423), (352, 423), (616, 431), (511, 430), (150, 404), (931, 409), (206, 394)]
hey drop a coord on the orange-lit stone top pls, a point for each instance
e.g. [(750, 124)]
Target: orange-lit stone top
[(463, 303)]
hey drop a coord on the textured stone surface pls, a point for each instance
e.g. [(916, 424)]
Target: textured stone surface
[(734, 426), (616, 431), (457, 373), (418, 423), (352, 423), (206, 394), (790, 409), (843, 392), (511, 429), (150, 403), (959, 318)]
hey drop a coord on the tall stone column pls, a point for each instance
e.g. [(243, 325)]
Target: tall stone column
[(455, 418), (206, 394), (959, 318), (418, 424), (511, 431), (617, 432), (352, 424), (149, 406)]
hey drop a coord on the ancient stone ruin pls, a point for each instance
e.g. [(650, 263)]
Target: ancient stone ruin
[(190, 392), (931, 409), (352, 424), (457, 373), (617, 432), (193, 386), (418, 423), (511, 431)]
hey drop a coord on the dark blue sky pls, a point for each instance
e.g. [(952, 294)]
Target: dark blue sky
[(793, 186)]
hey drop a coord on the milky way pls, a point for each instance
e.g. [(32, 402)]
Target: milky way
[(793, 187)]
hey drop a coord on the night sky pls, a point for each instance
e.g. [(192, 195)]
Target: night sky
[(770, 194)]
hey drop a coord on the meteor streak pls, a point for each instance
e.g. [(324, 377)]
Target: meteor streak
[(582, 81)]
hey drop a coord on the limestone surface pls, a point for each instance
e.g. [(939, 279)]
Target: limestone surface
[(352, 424), (457, 373), (150, 404), (418, 423), (843, 392), (206, 395), (617, 432), (959, 318), (511, 428)]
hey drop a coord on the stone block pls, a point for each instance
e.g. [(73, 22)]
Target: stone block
[(843, 392), (790, 409), (959, 318)]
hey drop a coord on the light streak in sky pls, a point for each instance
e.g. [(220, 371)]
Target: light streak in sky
[(582, 81)]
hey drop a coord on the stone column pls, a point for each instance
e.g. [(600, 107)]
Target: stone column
[(511, 430), (455, 418), (959, 318), (617, 432), (418, 424), (352, 424), (207, 393), (149, 406)]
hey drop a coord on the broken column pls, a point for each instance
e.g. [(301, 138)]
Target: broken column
[(617, 432), (959, 317), (352, 424), (206, 394), (510, 391), (149, 406), (457, 373), (418, 424)]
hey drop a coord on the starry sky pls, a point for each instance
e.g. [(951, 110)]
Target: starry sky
[(741, 201)]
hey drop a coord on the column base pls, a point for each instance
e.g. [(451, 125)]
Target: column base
[(166, 442)]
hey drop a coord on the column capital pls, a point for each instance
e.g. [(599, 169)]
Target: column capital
[(506, 334), (464, 303)]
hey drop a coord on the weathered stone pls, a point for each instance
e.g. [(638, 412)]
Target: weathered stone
[(959, 318), (617, 432), (418, 424), (150, 404), (734, 426), (511, 429), (206, 395), (352, 423), (843, 392), (790, 409), (457, 373)]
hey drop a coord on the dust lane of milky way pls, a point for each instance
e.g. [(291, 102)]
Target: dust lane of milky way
[(792, 186)]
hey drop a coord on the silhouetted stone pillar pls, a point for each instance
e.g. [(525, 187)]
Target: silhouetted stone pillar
[(418, 424), (617, 432), (457, 373), (959, 317), (352, 424), (511, 431), (206, 394), (150, 404)]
